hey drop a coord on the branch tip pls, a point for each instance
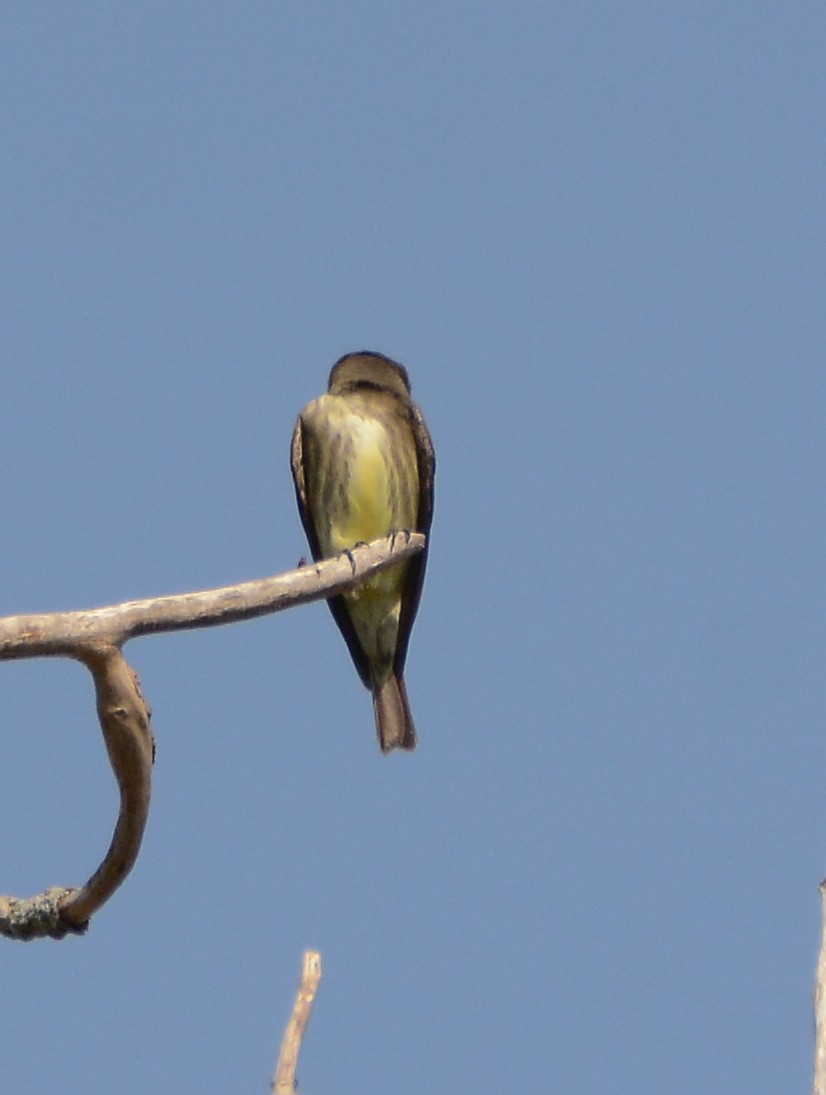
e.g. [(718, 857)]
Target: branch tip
[(283, 1082)]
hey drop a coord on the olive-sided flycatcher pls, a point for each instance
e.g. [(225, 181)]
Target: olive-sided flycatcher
[(363, 466)]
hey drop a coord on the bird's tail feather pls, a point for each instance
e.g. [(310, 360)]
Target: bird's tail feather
[(394, 722)]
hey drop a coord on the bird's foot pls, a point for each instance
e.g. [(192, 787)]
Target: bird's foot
[(349, 553), (396, 532)]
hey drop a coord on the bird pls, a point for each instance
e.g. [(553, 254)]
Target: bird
[(363, 466)]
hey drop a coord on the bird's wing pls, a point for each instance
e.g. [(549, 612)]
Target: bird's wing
[(300, 481), (414, 579)]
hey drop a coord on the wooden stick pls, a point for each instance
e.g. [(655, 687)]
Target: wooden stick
[(95, 637), (65, 633), (124, 720), (819, 1086), (283, 1082)]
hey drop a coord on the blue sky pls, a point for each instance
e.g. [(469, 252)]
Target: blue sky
[(594, 235)]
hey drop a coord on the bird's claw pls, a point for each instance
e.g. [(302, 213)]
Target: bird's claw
[(399, 532), (349, 553)]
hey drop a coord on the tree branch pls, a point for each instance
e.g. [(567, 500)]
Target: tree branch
[(95, 637), (283, 1082), (66, 633), (819, 1086), (124, 719)]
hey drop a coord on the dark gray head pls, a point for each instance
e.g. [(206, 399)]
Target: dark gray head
[(368, 370)]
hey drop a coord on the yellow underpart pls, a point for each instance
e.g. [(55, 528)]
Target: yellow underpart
[(370, 513)]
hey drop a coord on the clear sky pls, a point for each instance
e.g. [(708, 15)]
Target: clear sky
[(594, 234)]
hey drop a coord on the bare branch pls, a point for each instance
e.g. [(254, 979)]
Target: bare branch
[(36, 917), (66, 633), (283, 1082), (819, 1086), (124, 719), (95, 637)]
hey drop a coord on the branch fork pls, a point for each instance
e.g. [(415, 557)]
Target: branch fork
[(95, 637)]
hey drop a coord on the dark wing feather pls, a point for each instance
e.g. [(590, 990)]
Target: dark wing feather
[(300, 462), (300, 481), (426, 460)]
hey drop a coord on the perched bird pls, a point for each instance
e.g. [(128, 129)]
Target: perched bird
[(363, 466)]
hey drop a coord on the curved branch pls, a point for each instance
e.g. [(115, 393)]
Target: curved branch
[(283, 1082), (67, 633), (124, 719), (94, 637)]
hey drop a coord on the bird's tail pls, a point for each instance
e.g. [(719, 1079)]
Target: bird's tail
[(394, 723)]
